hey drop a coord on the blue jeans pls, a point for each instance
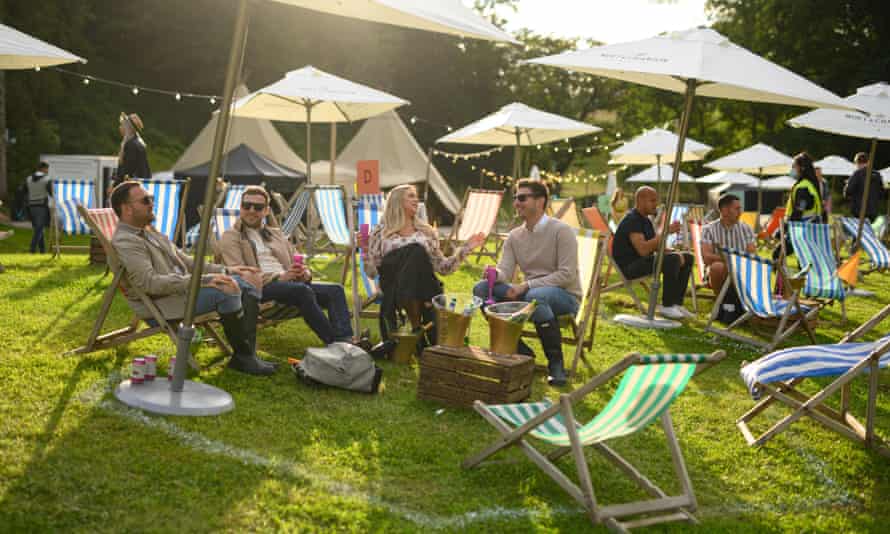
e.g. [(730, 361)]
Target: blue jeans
[(552, 301), (310, 299), (212, 299), (39, 221)]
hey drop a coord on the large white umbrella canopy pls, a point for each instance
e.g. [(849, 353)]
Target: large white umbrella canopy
[(779, 183), (440, 16), (874, 124), (445, 16), (519, 125), (654, 146), (653, 174), (18, 50), (835, 166), (727, 177), (311, 95), (760, 159), (697, 61)]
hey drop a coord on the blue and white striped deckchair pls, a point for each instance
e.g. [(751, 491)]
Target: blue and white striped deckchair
[(751, 276), (678, 214), (67, 195), (776, 377), (221, 220), (232, 200), (295, 213), (168, 197), (648, 387), (877, 252), (370, 212), (332, 212), (813, 248)]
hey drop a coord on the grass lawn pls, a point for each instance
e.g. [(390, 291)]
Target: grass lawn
[(293, 458)]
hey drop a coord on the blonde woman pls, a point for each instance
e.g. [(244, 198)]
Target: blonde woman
[(405, 252), (619, 205)]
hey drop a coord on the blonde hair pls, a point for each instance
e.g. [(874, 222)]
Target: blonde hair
[(394, 217), (617, 195)]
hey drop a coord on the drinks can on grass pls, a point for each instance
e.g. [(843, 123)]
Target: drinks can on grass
[(170, 367), (137, 372), (151, 366)]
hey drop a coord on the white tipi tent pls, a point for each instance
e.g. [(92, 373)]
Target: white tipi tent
[(402, 161), (259, 134)]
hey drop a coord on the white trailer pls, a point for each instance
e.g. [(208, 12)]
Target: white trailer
[(96, 169)]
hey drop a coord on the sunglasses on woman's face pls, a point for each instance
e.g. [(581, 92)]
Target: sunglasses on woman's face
[(255, 206), (522, 197)]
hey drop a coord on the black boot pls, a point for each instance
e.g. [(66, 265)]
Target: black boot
[(551, 340), (243, 358), (251, 308)]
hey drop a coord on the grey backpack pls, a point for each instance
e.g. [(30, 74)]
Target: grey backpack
[(341, 365)]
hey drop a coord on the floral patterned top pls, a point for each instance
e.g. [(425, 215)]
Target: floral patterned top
[(378, 247)]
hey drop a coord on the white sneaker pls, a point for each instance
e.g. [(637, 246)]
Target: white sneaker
[(688, 314), (671, 312)]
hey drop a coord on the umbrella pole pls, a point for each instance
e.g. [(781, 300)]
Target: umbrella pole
[(186, 330), (868, 171), (658, 173), (672, 193), (333, 151), (516, 156), (759, 201), (426, 179), (308, 142)]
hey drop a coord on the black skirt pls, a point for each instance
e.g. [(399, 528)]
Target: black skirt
[(406, 274)]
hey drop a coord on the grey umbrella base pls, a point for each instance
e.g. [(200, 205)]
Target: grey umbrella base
[(637, 321), (195, 399)]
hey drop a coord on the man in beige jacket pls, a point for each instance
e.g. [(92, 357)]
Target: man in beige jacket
[(155, 266), (250, 242)]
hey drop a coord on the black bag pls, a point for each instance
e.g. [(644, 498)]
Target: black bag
[(731, 307)]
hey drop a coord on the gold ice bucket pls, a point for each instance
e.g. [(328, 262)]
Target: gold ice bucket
[(454, 311), (504, 334)]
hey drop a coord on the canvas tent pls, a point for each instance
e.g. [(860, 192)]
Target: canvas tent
[(259, 134), (402, 161), (241, 165)]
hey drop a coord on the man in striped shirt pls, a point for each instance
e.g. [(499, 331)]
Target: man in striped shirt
[(726, 232)]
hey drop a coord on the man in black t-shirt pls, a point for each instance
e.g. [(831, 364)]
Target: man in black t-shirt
[(634, 248)]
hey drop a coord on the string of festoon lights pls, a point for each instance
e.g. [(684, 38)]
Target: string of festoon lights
[(135, 89)]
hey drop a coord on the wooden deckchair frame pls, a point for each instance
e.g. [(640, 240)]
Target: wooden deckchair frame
[(583, 327), (798, 319), (673, 508), (842, 237), (813, 406), (461, 216)]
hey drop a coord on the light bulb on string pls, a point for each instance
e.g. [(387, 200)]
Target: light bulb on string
[(212, 101), (86, 81), (135, 90), (37, 68), (178, 97), (413, 120)]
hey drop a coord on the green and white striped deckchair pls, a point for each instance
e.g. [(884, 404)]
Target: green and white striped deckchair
[(648, 387)]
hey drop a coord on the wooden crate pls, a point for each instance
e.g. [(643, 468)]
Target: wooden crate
[(97, 253), (459, 376)]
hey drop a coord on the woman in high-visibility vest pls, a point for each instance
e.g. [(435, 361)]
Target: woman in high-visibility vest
[(804, 199)]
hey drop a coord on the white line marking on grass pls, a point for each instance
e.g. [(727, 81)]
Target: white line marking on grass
[(97, 395)]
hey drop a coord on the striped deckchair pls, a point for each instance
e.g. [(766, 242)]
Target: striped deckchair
[(478, 213), (169, 209), (328, 204), (648, 387), (67, 196), (370, 212), (679, 212), (591, 251), (779, 375), (106, 221), (877, 252), (699, 280), (814, 249), (598, 222), (292, 213), (221, 220), (232, 198), (566, 211), (751, 276)]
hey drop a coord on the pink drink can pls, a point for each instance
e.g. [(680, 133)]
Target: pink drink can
[(170, 367), (298, 259), (151, 367), (137, 371), (364, 233)]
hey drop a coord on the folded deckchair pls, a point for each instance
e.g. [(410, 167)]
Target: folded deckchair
[(169, 209), (67, 196), (699, 281), (591, 251), (814, 249), (751, 276), (648, 387), (779, 375), (877, 252), (478, 213), (598, 222)]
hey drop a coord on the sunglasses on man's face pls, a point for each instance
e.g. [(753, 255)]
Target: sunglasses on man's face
[(148, 200), (522, 197), (255, 206)]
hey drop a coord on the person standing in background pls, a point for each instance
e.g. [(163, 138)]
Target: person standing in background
[(40, 189), (855, 188), (132, 159)]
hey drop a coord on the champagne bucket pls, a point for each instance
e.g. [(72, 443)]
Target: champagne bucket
[(454, 311), (406, 346), (503, 334)]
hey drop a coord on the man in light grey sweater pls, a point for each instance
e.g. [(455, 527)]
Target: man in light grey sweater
[(546, 251)]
